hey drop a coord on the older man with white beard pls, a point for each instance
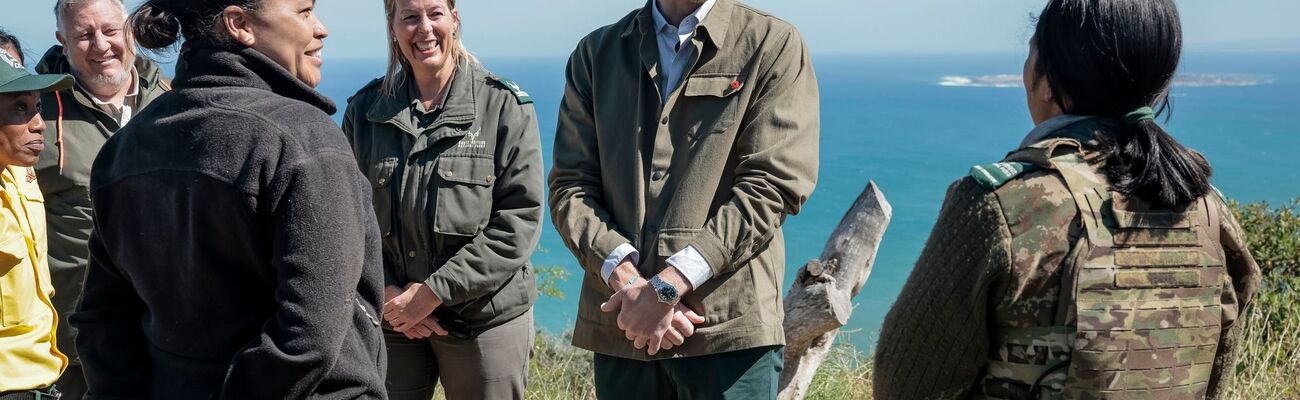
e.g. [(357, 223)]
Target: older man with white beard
[(112, 85)]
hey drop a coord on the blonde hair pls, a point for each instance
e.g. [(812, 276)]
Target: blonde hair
[(399, 69)]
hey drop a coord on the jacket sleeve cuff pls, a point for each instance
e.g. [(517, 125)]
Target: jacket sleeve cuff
[(605, 244), (715, 253), (692, 264), (621, 252), (444, 288)]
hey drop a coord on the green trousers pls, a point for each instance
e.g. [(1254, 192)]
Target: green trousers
[(744, 374)]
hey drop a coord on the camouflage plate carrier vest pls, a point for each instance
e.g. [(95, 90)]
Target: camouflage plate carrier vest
[(1138, 315)]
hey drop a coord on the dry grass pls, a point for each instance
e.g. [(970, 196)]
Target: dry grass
[(1268, 364)]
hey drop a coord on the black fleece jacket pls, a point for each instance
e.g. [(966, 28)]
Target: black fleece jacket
[(234, 253)]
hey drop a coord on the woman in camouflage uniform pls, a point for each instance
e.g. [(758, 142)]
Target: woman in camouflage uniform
[(1095, 261)]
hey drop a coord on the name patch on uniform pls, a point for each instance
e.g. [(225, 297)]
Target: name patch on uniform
[(995, 175)]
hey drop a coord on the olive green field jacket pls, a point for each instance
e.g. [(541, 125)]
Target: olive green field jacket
[(718, 166), (457, 191)]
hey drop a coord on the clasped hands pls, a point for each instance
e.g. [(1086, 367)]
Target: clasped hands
[(647, 322), (410, 311)]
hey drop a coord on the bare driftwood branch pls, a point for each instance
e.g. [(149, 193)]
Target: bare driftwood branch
[(821, 299)]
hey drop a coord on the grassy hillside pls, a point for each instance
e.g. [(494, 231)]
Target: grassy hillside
[(1267, 367)]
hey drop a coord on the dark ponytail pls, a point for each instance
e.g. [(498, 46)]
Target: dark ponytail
[(154, 27), (1108, 58), (1147, 162), (159, 24)]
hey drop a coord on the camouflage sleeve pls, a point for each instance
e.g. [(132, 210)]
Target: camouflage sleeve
[(935, 339), (1245, 277)]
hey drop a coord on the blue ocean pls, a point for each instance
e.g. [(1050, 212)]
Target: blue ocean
[(914, 124)]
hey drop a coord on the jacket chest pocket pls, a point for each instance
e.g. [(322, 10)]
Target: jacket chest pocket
[(713, 102), (464, 194), (381, 181)]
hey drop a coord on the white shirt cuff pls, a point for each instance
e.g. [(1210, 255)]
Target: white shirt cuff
[(621, 252), (692, 264)]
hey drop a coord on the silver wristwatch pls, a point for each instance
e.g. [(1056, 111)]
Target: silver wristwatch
[(667, 293)]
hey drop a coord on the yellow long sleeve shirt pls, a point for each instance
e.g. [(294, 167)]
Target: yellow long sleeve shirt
[(28, 356)]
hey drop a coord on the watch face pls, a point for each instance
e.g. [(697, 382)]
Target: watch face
[(667, 293)]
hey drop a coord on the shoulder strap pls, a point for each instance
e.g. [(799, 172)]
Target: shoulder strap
[(1026, 159), (1091, 194), (520, 94), (1041, 153), (1212, 220)]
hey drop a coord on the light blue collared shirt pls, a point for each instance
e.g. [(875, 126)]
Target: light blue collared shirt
[(675, 46), (675, 49)]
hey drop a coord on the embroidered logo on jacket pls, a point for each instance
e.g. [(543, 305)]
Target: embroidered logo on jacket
[(471, 140)]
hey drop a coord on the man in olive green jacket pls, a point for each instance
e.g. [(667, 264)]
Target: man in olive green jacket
[(112, 84), (688, 132)]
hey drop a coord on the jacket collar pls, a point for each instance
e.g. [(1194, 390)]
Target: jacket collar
[(459, 106), (1084, 128), (209, 67), (715, 26)]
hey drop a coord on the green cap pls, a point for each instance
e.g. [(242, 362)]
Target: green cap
[(15, 79)]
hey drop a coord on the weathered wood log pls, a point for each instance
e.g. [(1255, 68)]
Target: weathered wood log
[(821, 299)]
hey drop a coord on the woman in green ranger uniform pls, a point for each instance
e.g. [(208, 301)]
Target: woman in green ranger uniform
[(454, 158), (1095, 261)]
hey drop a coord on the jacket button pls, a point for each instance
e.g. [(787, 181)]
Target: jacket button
[(382, 180), (447, 174), (411, 254), (657, 175), (490, 178), (664, 121)]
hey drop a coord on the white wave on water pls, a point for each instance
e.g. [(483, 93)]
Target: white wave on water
[(997, 81), (1191, 80)]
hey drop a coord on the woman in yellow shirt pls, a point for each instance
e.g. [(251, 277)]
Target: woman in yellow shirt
[(29, 361)]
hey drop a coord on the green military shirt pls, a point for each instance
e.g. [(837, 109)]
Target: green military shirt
[(457, 190), (718, 166), (76, 129)]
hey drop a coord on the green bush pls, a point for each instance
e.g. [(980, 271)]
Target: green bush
[(1269, 342), (1273, 235)]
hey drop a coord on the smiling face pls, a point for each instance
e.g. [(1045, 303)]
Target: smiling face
[(425, 32), (288, 32), (97, 44), (21, 128)]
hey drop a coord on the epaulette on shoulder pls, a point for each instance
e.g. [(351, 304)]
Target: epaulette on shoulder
[(520, 94), (995, 175), (1033, 157), (368, 86)]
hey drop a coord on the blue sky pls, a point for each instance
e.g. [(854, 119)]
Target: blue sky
[(502, 28)]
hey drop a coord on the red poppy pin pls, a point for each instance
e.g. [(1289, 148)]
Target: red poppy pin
[(735, 84)]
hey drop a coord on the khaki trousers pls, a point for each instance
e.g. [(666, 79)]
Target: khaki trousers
[(493, 365)]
